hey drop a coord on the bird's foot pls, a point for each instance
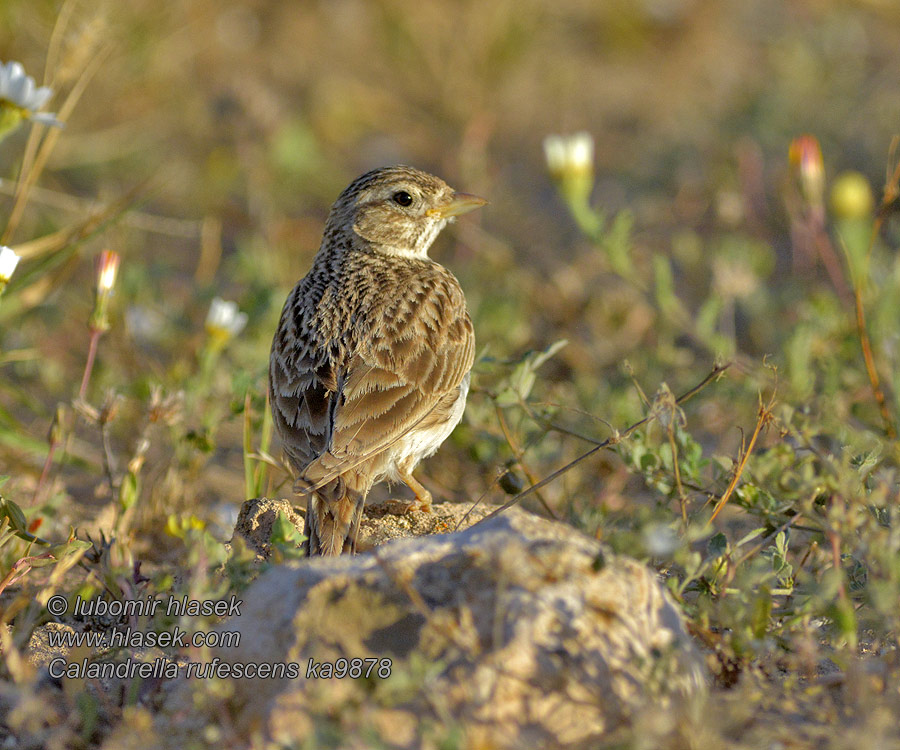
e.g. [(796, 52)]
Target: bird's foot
[(423, 502), (423, 496), (394, 507)]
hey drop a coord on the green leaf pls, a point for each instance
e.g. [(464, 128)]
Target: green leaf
[(616, 243), (59, 551), (11, 511), (843, 616), (128, 492), (40, 561), (751, 536), (717, 545), (762, 611), (285, 538)]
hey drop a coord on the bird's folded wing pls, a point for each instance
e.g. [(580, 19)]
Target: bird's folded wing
[(302, 390), (406, 367)]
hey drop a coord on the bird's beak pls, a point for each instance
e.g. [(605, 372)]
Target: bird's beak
[(460, 203)]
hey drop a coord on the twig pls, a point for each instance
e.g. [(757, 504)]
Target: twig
[(670, 430), (784, 527), (830, 260), (109, 459), (494, 482), (89, 364), (517, 454), (560, 428), (614, 440), (869, 359), (764, 416), (835, 540), (20, 569), (141, 220), (45, 472), (891, 193)]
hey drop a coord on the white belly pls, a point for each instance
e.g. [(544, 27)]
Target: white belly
[(419, 444)]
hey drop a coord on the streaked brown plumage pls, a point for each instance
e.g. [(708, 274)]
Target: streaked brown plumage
[(370, 364)]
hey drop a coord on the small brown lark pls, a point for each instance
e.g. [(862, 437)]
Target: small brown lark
[(369, 369)]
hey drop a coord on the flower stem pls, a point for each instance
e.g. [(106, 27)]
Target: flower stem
[(44, 474), (89, 365)]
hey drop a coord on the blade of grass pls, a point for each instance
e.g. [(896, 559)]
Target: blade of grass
[(29, 177), (249, 483), (262, 470)]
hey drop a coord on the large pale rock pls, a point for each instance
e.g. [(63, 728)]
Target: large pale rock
[(516, 632)]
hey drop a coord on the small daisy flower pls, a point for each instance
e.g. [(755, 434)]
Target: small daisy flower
[(571, 155), (224, 320), (8, 262), (570, 161), (20, 99)]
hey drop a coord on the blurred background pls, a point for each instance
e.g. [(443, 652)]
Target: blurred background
[(220, 132), (727, 199)]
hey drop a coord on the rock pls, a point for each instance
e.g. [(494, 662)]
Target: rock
[(256, 519), (380, 523), (40, 652), (517, 632)]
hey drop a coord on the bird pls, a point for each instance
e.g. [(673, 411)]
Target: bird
[(370, 364)]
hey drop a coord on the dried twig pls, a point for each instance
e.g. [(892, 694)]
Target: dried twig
[(764, 417), (518, 454), (614, 440), (891, 193)]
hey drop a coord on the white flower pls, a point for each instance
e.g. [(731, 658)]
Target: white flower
[(224, 319), (18, 90), (8, 262), (568, 155)]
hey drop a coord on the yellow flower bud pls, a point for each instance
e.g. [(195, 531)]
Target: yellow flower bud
[(851, 196)]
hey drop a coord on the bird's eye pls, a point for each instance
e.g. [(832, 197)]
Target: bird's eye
[(402, 198)]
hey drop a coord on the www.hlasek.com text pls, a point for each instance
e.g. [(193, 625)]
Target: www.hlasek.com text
[(128, 637)]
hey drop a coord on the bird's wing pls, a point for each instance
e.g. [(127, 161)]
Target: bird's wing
[(302, 381), (415, 348)]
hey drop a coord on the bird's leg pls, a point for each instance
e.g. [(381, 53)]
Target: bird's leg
[(422, 495), (354, 528)]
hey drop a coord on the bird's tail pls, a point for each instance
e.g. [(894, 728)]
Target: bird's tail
[(333, 514)]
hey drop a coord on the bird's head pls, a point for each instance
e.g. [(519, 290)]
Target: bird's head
[(397, 210)]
